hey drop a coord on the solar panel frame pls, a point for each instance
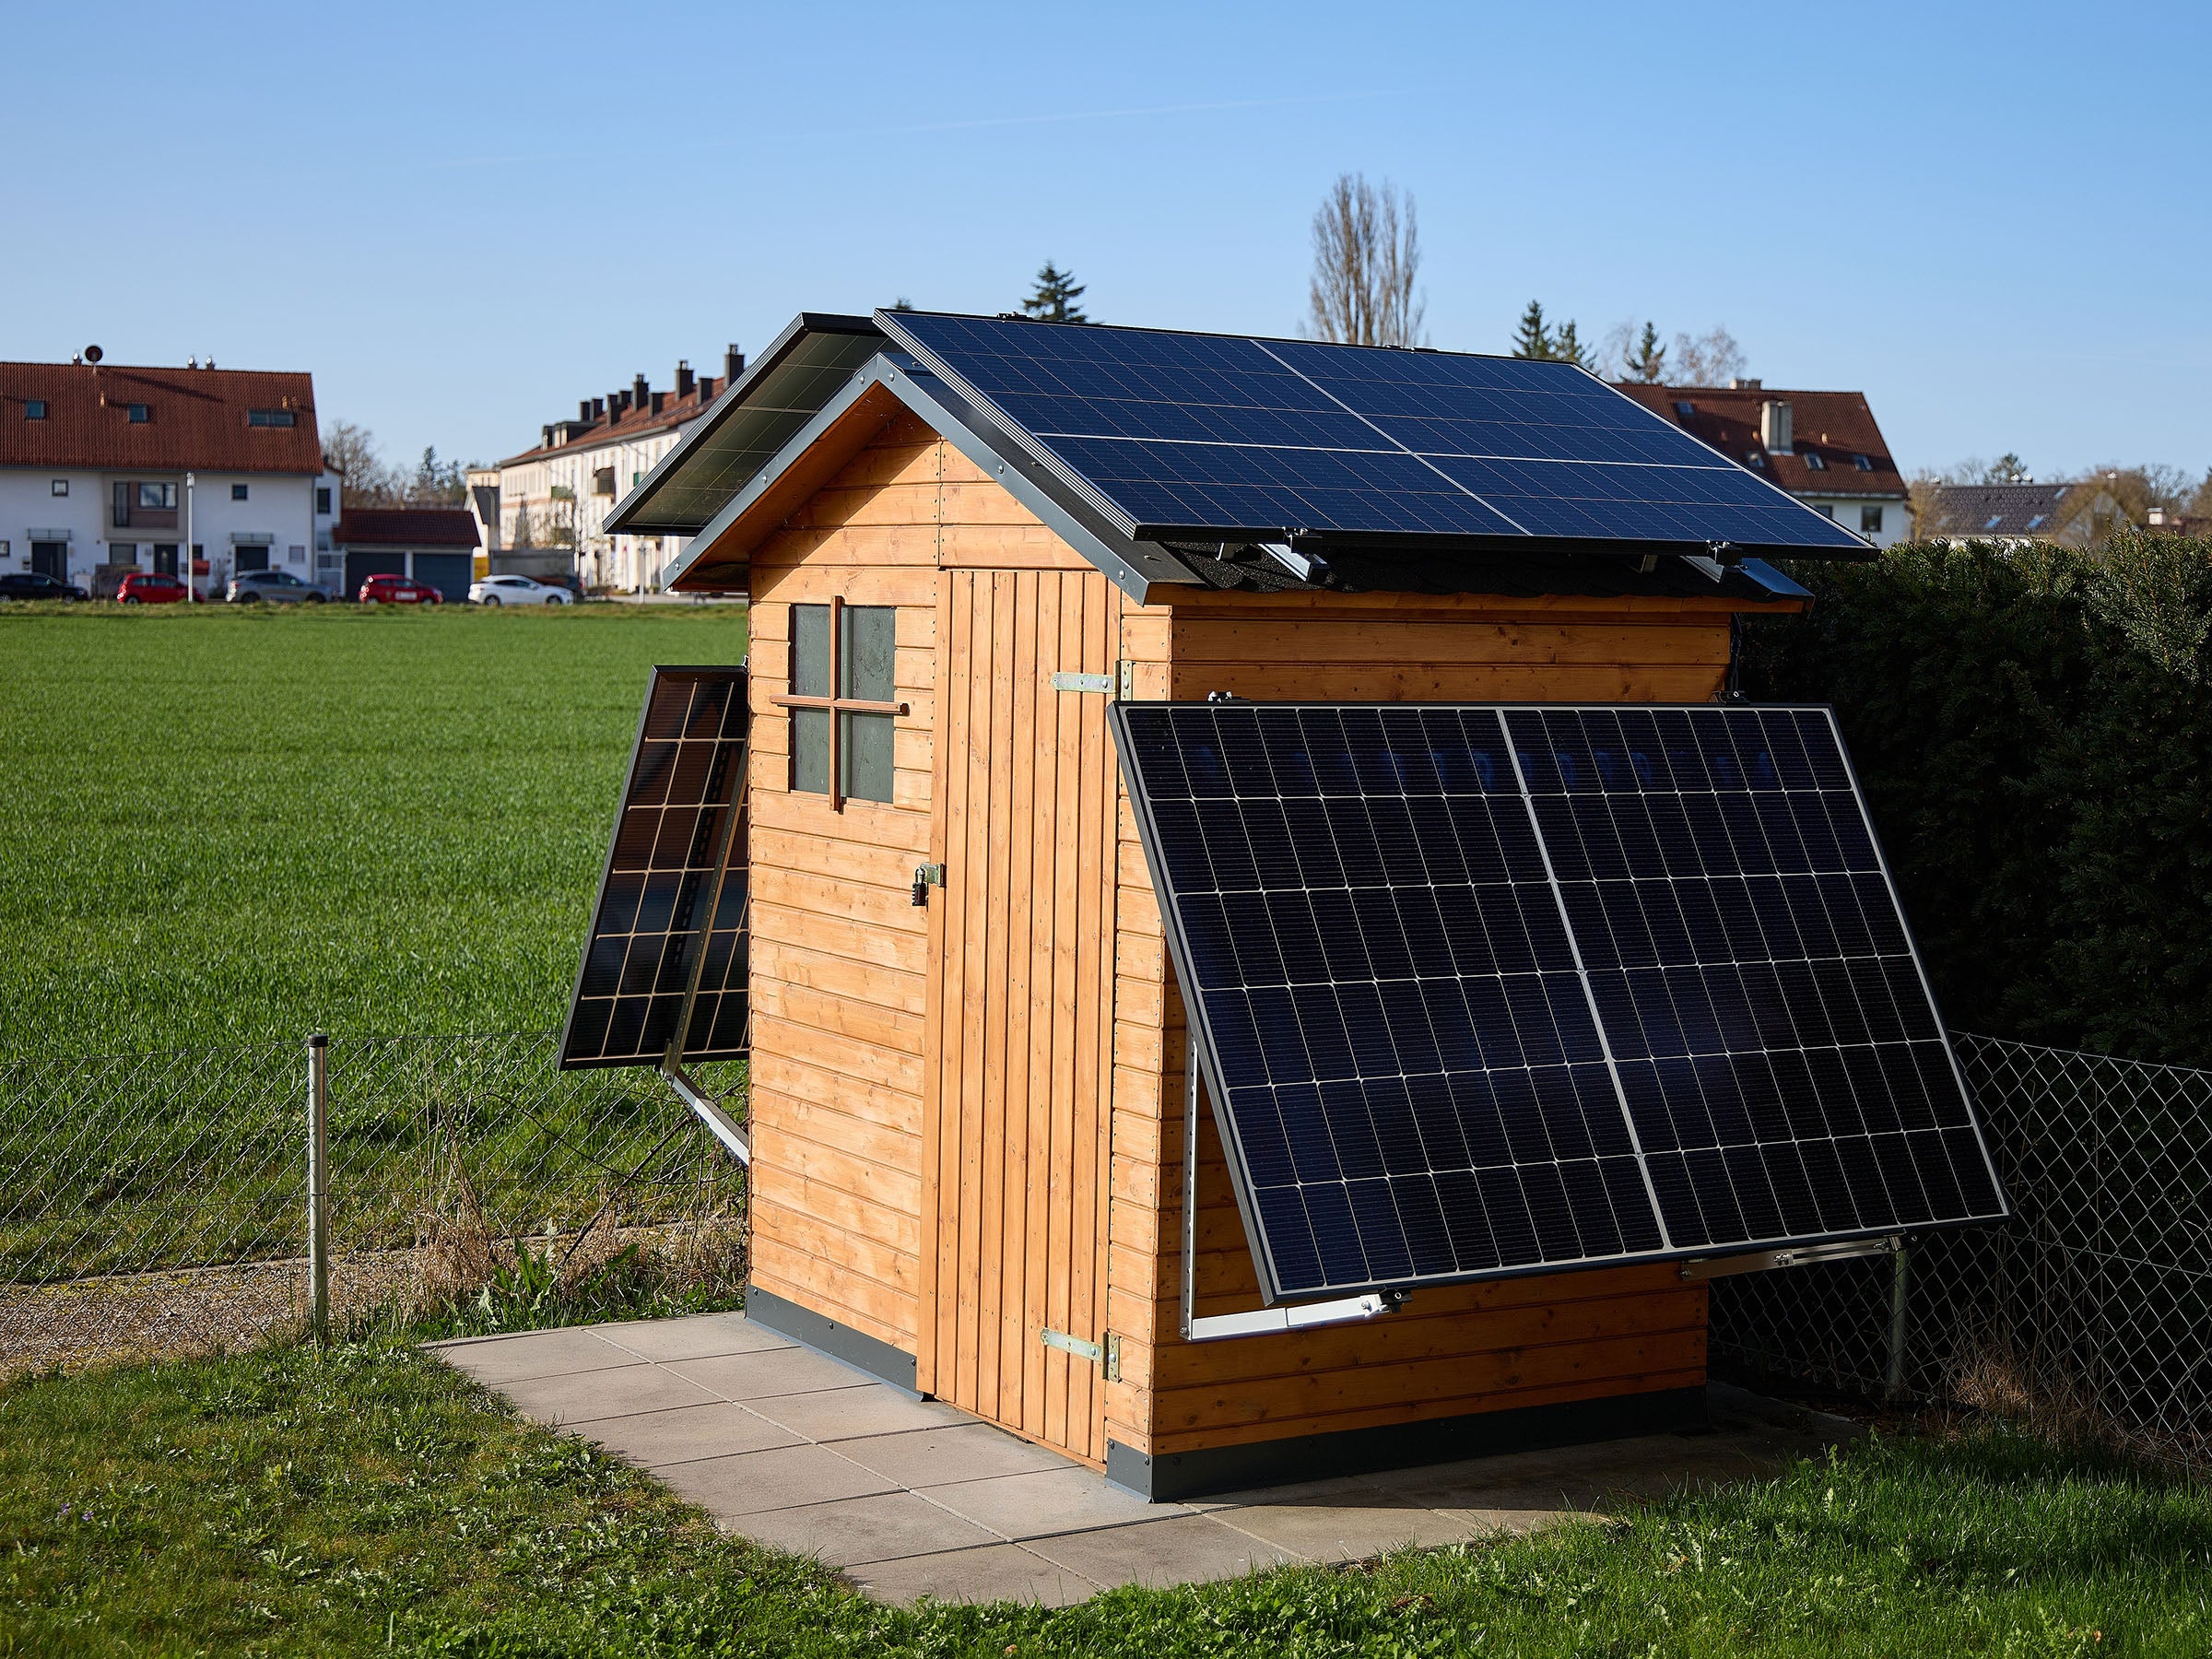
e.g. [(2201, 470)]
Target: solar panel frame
[(1206, 1045), (708, 1002)]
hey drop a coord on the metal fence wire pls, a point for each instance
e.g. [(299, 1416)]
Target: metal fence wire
[(2090, 1312), (156, 1203)]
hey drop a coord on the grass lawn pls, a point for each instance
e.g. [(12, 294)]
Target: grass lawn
[(233, 825), (368, 1501)]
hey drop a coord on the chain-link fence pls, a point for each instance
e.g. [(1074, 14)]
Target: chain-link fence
[(2091, 1310), (156, 1203)]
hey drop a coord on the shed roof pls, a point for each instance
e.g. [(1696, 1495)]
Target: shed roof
[(196, 418), (405, 527)]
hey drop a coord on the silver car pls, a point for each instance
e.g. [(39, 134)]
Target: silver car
[(279, 587)]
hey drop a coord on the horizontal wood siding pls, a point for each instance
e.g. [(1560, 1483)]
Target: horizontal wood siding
[(840, 961), (1539, 1340)]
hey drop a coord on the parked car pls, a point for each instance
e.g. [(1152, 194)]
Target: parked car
[(495, 591), (279, 587), (388, 588), (149, 587), (36, 584)]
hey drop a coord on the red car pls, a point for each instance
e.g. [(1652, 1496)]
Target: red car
[(388, 589), (149, 587)]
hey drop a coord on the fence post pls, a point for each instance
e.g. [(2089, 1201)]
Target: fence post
[(1900, 1278), (318, 1185)]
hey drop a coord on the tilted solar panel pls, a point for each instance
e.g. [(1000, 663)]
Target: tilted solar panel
[(1482, 989), (1188, 434), (669, 931)]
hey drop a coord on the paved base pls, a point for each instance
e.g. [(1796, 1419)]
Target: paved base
[(912, 1498)]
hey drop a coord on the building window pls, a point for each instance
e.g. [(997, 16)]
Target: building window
[(1827, 507), (122, 552), (61, 486), (323, 499), (238, 492), (635, 479), (34, 408), (1862, 463), (1684, 411), (1815, 462), (137, 414), (603, 481), (270, 418), (158, 495), (2039, 521), (1870, 520), (840, 702)]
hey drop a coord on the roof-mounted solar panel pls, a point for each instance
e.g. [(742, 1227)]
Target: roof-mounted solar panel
[(1482, 989), (667, 950), (1183, 435)]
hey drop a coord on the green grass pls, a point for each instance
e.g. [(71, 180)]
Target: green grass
[(368, 1501), (225, 826)]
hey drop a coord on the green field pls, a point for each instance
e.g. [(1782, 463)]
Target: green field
[(226, 826)]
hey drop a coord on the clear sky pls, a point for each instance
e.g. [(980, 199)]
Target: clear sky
[(1992, 218)]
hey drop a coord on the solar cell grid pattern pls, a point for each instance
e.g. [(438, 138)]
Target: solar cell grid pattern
[(1197, 432), (1422, 1046), (667, 906)]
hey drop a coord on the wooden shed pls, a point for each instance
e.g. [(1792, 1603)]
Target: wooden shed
[(968, 1086)]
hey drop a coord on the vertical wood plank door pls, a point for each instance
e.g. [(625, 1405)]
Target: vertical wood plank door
[(1020, 1003)]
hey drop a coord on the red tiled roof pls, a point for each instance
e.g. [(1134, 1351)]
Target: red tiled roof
[(1835, 426), (405, 527), (195, 418), (635, 423)]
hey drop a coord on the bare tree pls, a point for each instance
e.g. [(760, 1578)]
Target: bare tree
[(1366, 261), (1712, 360), (365, 481)]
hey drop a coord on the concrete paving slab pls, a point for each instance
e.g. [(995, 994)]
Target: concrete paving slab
[(592, 1396), (701, 1338), (994, 1573), (785, 1371), (496, 1362), (688, 1433), (859, 1530), (752, 1483), (1072, 1499), (1181, 1549), (843, 1414), (1343, 1532), (922, 1458)]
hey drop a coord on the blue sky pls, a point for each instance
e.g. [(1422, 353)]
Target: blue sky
[(1990, 218)]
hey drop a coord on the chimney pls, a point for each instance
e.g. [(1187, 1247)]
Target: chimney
[(616, 402), (639, 391), (1774, 424), (549, 432), (656, 398), (683, 378), (584, 410), (598, 408), (732, 365)]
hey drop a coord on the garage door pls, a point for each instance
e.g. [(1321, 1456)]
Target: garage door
[(450, 574), (359, 566)]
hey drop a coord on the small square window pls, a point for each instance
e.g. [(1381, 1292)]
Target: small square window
[(34, 408), (157, 496), (61, 486), (238, 492), (137, 414), (1862, 463), (852, 661), (1870, 521), (1814, 463), (1829, 508), (1684, 411)]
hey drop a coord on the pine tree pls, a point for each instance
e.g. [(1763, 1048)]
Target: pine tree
[(1568, 347), (1054, 298), (1648, 362), (1534, 340)]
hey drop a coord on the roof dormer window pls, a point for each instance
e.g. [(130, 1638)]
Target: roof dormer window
[(1684, 411), (1862, 463), (1815, 462)]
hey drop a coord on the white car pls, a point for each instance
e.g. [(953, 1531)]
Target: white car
[(495, 591)]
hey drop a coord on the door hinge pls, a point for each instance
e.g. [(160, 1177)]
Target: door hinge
[(1065, 680), (1073, 1345), (1113, 1356), (1128, 680)]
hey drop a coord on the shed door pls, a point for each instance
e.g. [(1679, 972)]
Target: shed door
[(1022, 1017)]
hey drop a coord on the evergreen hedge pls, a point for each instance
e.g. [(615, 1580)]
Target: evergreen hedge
[(2033, 731)]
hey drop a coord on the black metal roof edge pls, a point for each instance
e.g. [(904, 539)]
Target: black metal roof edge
[(629, 514)]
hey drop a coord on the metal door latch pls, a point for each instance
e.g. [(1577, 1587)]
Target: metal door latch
[(925, 878)]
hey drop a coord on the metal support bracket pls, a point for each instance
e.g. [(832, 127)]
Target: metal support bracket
[(1067, 680), (723, 1127), (1260, 1322), (1799, 1255), (1073, 1345)]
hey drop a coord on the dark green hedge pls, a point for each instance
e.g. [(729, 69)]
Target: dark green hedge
[(2034, 735)]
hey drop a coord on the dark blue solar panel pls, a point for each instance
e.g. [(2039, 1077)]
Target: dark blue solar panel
[(1479, 990), (1208, 433)]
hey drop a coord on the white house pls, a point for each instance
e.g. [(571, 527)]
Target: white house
[(103, 467), (559, 494), (1823, 447)]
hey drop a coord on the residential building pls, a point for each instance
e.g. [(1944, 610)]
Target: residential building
[(555, 499), (2072, 515), (433, 545), (103, 467), (1823, 447)]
